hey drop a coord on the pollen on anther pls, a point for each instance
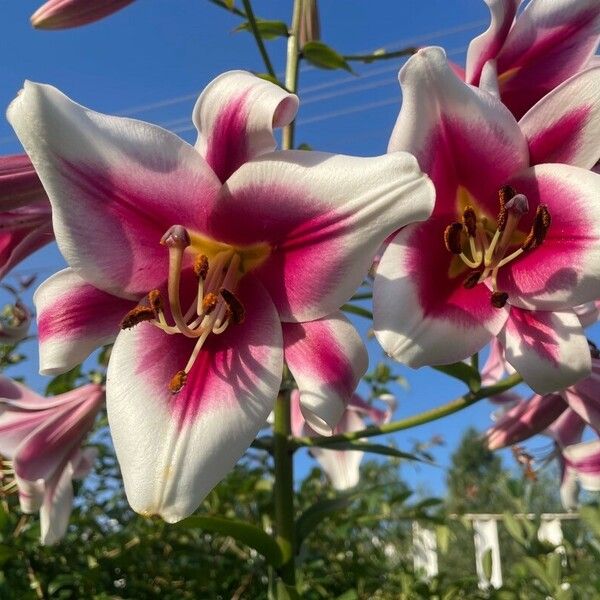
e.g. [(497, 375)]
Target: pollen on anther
[(238, 312), (137, 315), (177, 382), (452, 238), (499, 299), (470, 221), (155, 300), (201, 266), (209, 302), (541, 224), (472, 280), (505, 193)]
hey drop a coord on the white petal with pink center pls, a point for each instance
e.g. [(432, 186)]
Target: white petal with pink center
[(173, 448), (327, 359), (235, 116), (548, 349), (74, 318), (584, 458)]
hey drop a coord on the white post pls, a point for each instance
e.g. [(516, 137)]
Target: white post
[(425, 558), (486, 538)]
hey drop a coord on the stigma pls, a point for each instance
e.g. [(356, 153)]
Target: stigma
[(213, 309), (485, 252)]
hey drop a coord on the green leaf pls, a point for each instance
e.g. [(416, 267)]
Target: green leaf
[(64, 383), (6, 553), (322, 56), (243, 532), (487, 562), (358, 310), (443, 538), (554, 569), (316, 513), (366, 447), (591, 515), (464, 372), (348, 595), (269, 30), (514, 528), (537, 569)]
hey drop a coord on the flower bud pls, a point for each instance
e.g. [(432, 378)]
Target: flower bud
[(62, 14), (310, 29)]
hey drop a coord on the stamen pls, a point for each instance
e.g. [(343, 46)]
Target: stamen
[(201, 266), (499, 299), (452, 238), (137, 315), (470, 221), (177, 382), (539, 229), (155, 300), (238, 312), (209, 303), (472, 280), (505, 193)]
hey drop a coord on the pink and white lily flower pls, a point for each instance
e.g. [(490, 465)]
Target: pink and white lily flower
[(207, 264), (42, 437), (525, 57), (342, 467), (514, 240), (25, 214)]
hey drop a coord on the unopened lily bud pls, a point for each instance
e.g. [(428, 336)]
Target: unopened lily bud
[(310, 28), (19, 183), (62, 14)]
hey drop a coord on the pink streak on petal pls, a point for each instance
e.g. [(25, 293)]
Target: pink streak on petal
[(81, 311), (228, 363), (227, 147), (558, 143), (536, 331)]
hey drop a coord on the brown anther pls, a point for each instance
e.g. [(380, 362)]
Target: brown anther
[(137, 315), (472, 280), (499, 299), (201, 266), (452, 238), (155, 300), (541, 224), (470, 221), (238, 312), (209, 302), (177, 382), (505, 193), (176, 236)]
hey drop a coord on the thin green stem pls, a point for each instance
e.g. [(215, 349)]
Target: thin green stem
[(283, 455), (231, 9), (475, 361), (367, 58), (291, 69), (259, 41), (418, 419)]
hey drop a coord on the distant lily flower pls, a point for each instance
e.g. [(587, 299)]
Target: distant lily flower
[(581, 468), (526, 56), (25, 214), (62, 14), (342, 466), (14, 323), (42, 437), (207, 265), (514, 240)]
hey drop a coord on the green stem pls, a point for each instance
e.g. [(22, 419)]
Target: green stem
[(231, 9), (291, 69), (419, 419), (283, 455), (367, 58), (259, 41)]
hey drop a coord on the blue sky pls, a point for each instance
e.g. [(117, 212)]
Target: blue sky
[(150, 60)]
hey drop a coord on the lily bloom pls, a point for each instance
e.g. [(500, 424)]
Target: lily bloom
[(14, 323), (513, 243), (526, 56), (25, 214), (42, 437), (342, 466), (207, 264), (62, 14)]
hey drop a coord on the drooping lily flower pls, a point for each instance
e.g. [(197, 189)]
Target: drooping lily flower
[(25, 215), (526, 57), (62, 14), (342, 466), (510, 248), (209, 263), (42, 437)]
